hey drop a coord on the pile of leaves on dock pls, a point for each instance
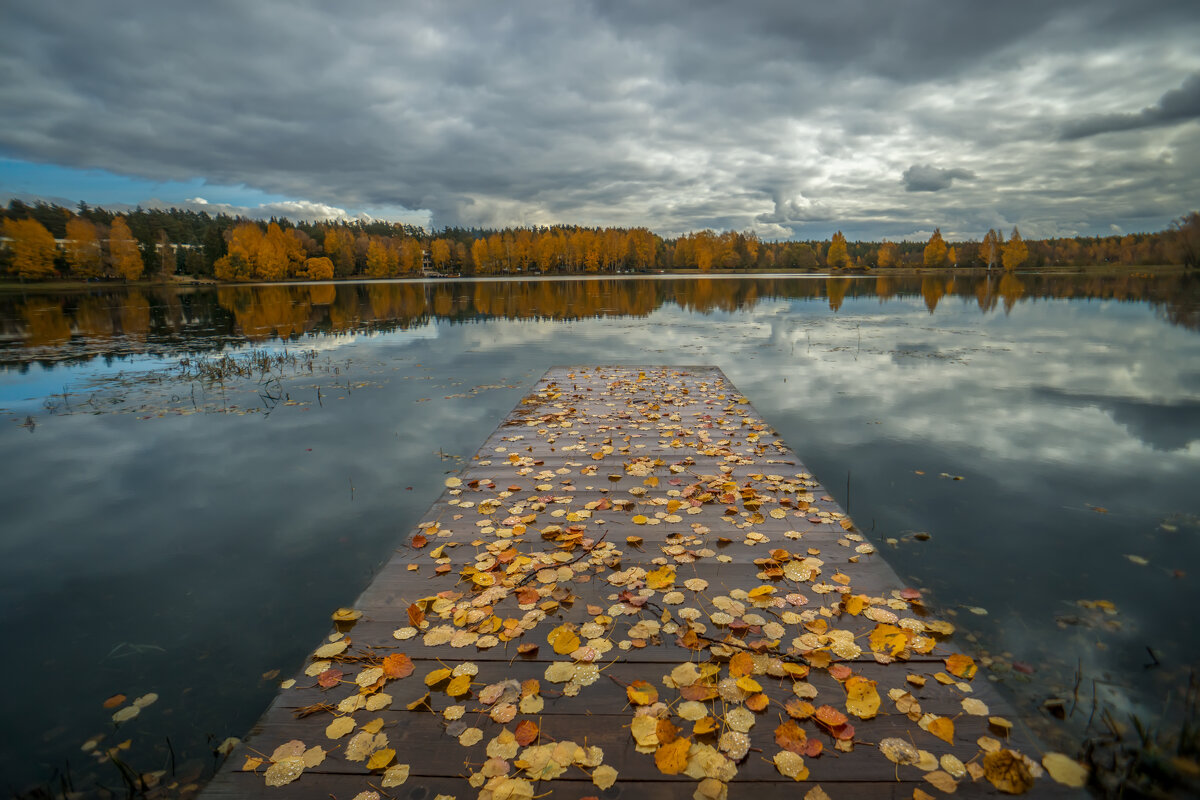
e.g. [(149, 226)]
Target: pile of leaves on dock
[(786, 669)]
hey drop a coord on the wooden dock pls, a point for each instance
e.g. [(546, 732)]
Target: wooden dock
[(635, 589)]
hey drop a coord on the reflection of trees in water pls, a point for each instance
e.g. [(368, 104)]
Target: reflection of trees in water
[(196, 319)]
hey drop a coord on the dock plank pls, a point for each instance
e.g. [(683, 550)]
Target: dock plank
[(629, 524)]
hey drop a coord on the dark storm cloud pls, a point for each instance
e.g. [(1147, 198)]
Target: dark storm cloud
[(789, 118), (1177, 105), (927, 178)]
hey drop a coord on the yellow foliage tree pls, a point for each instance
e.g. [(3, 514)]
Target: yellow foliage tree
[(123, 249), (382, 260), (837, 256), (32, 248), (989, 250), (887, 255), (936, 251), (1016, 251), (439, 254), (240, 262), (318, 269), (83, 248), (479, 255)]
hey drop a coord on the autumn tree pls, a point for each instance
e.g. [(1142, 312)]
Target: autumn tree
[(837, 256), (32, 246), (123, 250), (382, 259), (952, 256), (339, 247), (887, 254), (318, 269), (240, 262), (479, 255), (1016, 251), (936, 251), (439, 253), (83, 248)]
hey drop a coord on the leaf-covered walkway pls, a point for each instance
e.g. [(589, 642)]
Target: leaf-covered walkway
[(636, 590)]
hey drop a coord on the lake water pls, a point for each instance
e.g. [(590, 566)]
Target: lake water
[(1019, 447)]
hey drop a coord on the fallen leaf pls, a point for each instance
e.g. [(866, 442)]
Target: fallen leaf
[(381, 758), (641, 693), (862, 700), (1005, 770), (672, 758)]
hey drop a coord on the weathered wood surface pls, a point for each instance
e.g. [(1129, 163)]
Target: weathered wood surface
[(536, 536)]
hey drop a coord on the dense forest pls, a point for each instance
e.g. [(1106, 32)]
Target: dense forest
[(44, 241)]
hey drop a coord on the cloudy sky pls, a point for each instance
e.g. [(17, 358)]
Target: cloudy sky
[(793, 119)]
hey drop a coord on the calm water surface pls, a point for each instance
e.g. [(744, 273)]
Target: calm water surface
[(1015, 446)]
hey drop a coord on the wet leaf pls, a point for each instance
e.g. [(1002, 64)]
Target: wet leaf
[(114, 701), (381, 758), (862, 700), (339, 727), (790, 736), (1005, 770), (791, 765), (604, 776), (283, 772), (395, 776), (942, 781), (346, 615)]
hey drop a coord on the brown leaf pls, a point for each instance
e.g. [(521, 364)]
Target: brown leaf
[(114, 701), (415, 615), (419, 541), (329, 678)]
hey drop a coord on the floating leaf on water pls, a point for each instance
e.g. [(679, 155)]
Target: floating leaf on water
[(1065, 770), (127, 713), (346, 615), (114, 701)]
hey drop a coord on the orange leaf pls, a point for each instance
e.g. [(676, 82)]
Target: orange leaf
[(813, 748), (791, 736), (741, 664), (961, 666), (799, 709), (666, 731), (527, 649), (415, 615), (114, 701), (671, 759), (526, 732), (830, 716), (398, 665), (704, 725), (758, 702)]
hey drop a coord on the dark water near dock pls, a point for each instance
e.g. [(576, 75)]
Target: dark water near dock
[(193, 480)]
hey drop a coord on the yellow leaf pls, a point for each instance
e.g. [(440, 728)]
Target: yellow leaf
[(436, 677), (563, 640), (1005, 770), (381, 758), (661, 578), (1065, 770), (862, 700), (791, 765), (459, 686), (761, 592), (748, 684), (672, 758), (943, 728), (640, 519), (339, 727), (641, 693), (888, 639), (853, 604)]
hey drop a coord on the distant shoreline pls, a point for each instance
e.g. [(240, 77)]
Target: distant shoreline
[(187, 281)]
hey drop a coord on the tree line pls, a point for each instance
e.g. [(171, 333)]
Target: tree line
[(44, 241)]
